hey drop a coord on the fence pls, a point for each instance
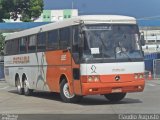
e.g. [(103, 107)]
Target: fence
[(1, 70), (156, 69)]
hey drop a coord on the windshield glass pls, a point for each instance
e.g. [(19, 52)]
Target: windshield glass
[(111, 42)]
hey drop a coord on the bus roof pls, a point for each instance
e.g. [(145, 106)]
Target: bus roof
[(87, 19)]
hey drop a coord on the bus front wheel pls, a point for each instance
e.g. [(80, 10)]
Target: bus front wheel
[(65, 93), (115, 97)]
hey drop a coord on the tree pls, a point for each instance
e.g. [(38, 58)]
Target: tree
[(29, 10)]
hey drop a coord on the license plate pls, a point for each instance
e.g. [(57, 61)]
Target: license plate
[(116, 90)]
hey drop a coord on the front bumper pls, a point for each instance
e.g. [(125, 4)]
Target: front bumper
[(106, 88)]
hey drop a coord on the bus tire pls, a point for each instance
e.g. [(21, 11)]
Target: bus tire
[(65, 95), (115, 97), (20, 89), (27, 91)]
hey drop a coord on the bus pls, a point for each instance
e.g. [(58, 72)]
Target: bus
[(85, 55)]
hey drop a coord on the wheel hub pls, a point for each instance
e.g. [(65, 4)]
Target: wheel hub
[(66, 91), (25, 86), (18, 87)]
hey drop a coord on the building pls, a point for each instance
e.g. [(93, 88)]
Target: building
[(151, 30), (56, 15), (52, 15), (152, 39)]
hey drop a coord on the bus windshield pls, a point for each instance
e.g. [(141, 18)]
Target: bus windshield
[(116, 42)]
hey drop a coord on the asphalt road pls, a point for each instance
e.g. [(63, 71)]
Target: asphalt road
[(50, 103)]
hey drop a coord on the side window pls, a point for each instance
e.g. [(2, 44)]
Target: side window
[(8, 47), (75, 44), (23, 44), (15, 46), (41, 41), (53, 42), (65, 37), (75, 39), (32, 43), (12, 47), (5, 48)]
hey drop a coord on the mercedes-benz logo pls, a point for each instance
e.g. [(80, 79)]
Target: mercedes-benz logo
[(93, 68), (117, 78)]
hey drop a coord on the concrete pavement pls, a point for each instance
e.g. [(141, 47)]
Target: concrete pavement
[(49, 103)]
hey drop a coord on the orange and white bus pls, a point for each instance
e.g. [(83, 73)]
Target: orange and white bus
[(85, 55)]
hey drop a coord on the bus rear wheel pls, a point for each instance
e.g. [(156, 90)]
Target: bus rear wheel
[(115, 97), (20, 89), (27, 91), (65, 94)]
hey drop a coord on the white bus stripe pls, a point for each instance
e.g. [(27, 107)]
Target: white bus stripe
[(112, 68)]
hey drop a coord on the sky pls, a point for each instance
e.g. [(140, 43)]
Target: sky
[(137, 8)]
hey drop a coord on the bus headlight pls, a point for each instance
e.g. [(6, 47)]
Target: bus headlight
[(93, 78), (90, 79), (138, 76), (141, 76), (96, 78), (135, 76)]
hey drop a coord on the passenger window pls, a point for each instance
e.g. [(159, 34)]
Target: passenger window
[(8, 47), (65, 36), (15, 46), (53, 42), (75, 40), (75, 46), (23, 45), (32, 43), (41, 42), (12, 47)]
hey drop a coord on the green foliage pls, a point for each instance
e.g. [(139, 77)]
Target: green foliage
[(2, 38), (28, 9)]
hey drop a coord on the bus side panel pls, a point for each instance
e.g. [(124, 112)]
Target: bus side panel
[(59, 63), (10, 70), (39, 71), (53, 76), (10, 73), (33, 66)]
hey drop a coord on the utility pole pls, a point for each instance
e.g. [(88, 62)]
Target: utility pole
[(72, 4)]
